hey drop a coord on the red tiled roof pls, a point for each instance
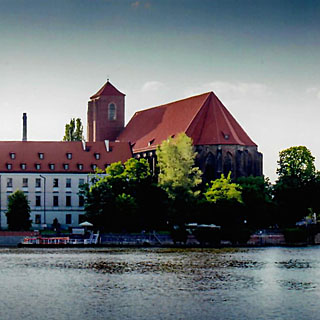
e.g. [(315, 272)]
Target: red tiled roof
[(203, 118), (55, 152), (107, 90)]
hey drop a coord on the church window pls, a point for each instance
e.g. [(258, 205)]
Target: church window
[(112, 111)]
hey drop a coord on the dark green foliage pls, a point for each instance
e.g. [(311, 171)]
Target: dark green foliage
[(74, 130), (295, 235), (18, 214)]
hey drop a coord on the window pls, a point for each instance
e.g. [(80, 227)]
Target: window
[(51, 166), (97, 156), (12, 155), (38, 201), (81, 218), (94, 166), (68, 219), (41, 155), (68, 201), (9, 166), (23, 166), (69, 156), (81, 201), (56, 183), (38, 183), (81, 182), (68, 183), (80, 166), (55, 201), (112, 111), (24, 182), (65, 166), (38, 166), (38, 219), (9, 182)]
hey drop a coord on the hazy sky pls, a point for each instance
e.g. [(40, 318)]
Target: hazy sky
[(261, 58)]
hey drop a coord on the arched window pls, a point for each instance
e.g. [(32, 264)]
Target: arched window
[(112, 111)]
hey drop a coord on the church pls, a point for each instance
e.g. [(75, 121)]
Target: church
[(220, 142), (50, 173)]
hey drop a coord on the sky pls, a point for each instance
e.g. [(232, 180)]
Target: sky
[(260, 57)]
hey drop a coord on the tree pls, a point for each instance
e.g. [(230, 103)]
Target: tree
[(296, 163), (294, 191), (18, 214), (74, 130), (176, 159)]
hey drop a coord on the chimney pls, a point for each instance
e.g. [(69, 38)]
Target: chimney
[(24, 132)]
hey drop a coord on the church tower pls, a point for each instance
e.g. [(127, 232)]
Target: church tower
[(105, 117)]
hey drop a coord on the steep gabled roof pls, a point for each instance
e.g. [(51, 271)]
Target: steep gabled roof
[(107, 90), (55, 152), (203, 118)]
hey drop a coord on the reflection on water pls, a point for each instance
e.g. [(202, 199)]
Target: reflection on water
[(258, 283)]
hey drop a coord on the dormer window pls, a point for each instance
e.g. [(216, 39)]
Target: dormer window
[(51, 166), (94, 166), (80, 166), (41, 155), (9, 166), (37, 166), (66, 166), (69, 156), (150, 142), (97, 156), (112, 111), (23, 166), (12, 155)]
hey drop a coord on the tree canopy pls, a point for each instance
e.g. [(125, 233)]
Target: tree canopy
[(176, 161), (18, 214), (74, 130)]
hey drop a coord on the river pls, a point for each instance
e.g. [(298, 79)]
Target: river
[(159, 283)]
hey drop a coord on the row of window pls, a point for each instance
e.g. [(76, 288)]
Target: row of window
[(41, 155), (55, 201), (51, 166), (55, 184), (68, 219)]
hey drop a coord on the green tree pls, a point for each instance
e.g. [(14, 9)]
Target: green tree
[(74, 130), (296, 163), (176, 161), (223, 189), (18, 214)]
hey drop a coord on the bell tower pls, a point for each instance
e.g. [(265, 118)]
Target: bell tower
[(105, 117)]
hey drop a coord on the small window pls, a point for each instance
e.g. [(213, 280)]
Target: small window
[(38, 219), (9, 182), (25, 182), (12, 155), (68, 218), (9, 166), (38, 166), (112, 111), (81, 182), (69, 155), (66, 166), (55, 183), (41, 155), (97, 156), (68, 201), (51, 166), (38, 183), (151, 142), (23, 166), (80, 166), (38, 201), (55, 201), (94, 166), (81, 201), (68, 183)]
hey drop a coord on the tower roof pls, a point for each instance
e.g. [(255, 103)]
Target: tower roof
[(203, 118), (107, 90)]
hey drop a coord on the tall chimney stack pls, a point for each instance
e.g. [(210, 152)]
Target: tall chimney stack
[(24, 132)]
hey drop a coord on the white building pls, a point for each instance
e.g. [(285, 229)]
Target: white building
[(49, 173)]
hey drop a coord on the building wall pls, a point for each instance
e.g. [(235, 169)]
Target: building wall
[(31, 191)]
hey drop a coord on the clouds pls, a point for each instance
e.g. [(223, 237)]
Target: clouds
[(315, 91), (152, 86)]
